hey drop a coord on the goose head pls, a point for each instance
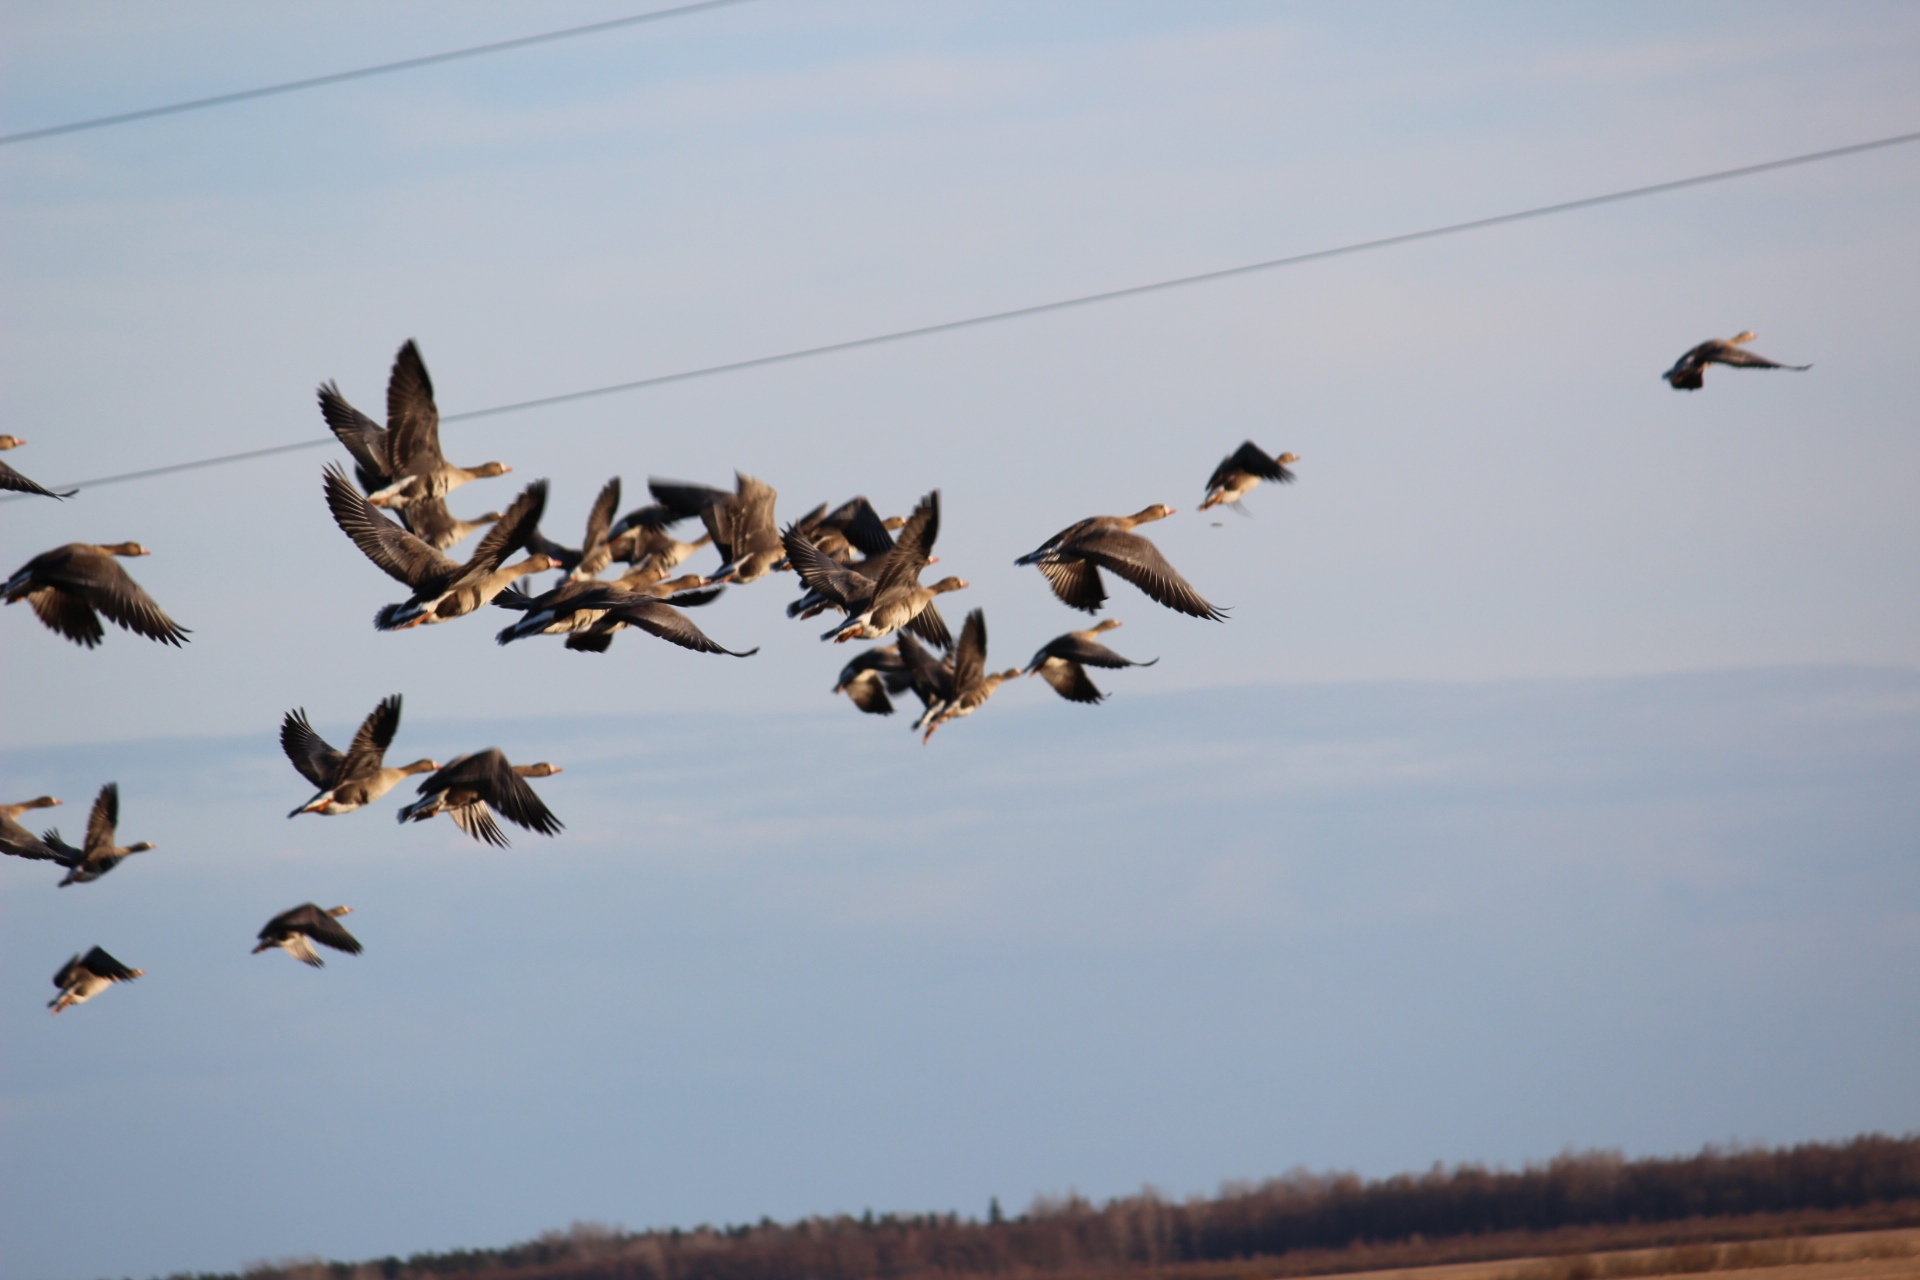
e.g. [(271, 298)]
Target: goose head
[(124, 549), (1287, 459), (541, 770), (945, 585), (1146, 515), (488, 469), (10, 442), (420, 766)]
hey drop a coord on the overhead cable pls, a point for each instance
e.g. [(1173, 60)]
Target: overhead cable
[(1111, 295), (360, 73)]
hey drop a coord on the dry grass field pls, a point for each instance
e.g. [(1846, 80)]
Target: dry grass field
[(1865, 1255)]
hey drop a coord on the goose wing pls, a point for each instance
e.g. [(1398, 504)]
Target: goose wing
[(321, 926), (658, 618), (861, 526), (399, 554), (370, 742), (869, 693), (750, 516), (1070, 680), (970, 655), (22, 843), (365, 439), (63, 976), (1252, 460), (68, 615), (1090, 653), (104, 818), (477, 820), (1076, 582), (930, 678), (508, 534), (1745, 359), (1140, 562), (914, 547), (850, 590), (931, 627), (413, 419), (317, 762), (489, 776), (102, 965), (99, 580), (11, 479)]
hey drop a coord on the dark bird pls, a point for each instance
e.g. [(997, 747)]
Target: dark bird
[(356, 779), (20, 842), (740, 523), (929, 676), (99, 854), (852, 526), (442, 589), (888, 596), (429, 520), (400, 463), (588, 613), (641, 539), (594, 553), (1240, 474), (1689, 370), (1063, 661), (973, 684), (11, 479), (68, 584), (84, 977), (470, 788), (295, 932), (872, 676), (1072, 559)]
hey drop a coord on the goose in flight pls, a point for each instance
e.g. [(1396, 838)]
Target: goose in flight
[(400, 463), (11, 479), (1241, 472), (84, 977), (740, 523), (472, 787), (871, 677), (972, 684), (588, 613), (69, 587), (595, 552), (356, 779), (1071, 561), (20, 842), (98, 854), (442, 589), (1689, 370), (887, 596), (1063, 661), (295, 932)]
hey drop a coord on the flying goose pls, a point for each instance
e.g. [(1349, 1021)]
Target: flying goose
[(1240, 473), (1689, 370), (852, 526), (589, 613), (972, 683), (470, 787), (356, 779), (871, 676), (68, 584), (1072, 559), (892, 597), (400, 463), (11, 479), (1063, 661), (99, 853), (594, 554), (442, 589), (20, 842), (295, 932), (740, 523), (84, 977)]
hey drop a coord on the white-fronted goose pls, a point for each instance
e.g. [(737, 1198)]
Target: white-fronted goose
[(471, 787), (295, 931), (442, 588), (589, 613), (594, 553), (1072, 560), (1240, 473), (973, 684), (20, 842), (401, 462), (68, 584), (11, 479), (84, 977), (356, 779), (99, 853), (1688, 372), (872, 676), (429, 520), (1063, 661), (890, 599), (740, 523)]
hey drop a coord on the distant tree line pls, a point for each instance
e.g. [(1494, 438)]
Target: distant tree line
[(1147, 1232)]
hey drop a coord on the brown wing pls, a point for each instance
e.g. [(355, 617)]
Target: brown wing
[(914, 547), (11, 479), (1252, 460), (970, 655), (658, 618), (931, 627), (860, 525), (317, 762), (508, 535), (751, 518), (1076, 582), (490, 777), (931, 679), (102, 965), (317, 924), (365, 439), (369, 745), (68, 615), (104, 818), (1140, 562), (1088, 653), (399, 554), (1070, 680), (477, 821), (869, 693), (412, 417), (600, 518), (98, 578), (21, 843), (851, 591)]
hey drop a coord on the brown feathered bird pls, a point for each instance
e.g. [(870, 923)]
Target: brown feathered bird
[(356, 779), (1688, 371), (84, 977), (1241, 472), (98, 853), (880, 597), (1063, 661), (69, 587), (972, 683), (470, 788), (1071, 561), (296, 930), (400, 463)]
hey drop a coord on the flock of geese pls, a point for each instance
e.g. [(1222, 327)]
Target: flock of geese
[(849, 561)]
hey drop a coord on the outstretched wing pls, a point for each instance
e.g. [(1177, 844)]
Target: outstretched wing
[(1140, 562), (477, 821), (319, 925), (101, 581), (102, 965), (931, 627), (104, 818), (365, 439), (1076, 582), (861, 526), (1070, 680), (1252, 460), (914, 547), (821, 572), (399, 554), (657, 617), (970, 655), (68, 615), (412, 417), (11, 479), (370, 743), (509, 533)]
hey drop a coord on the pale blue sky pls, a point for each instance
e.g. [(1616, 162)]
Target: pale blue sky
[(1508, 542)]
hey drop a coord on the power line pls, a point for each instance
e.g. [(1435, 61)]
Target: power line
[(1131, 291), (361, 73)]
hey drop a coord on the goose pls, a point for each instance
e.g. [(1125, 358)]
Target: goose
[(400, 463), (594, 554), (1688, 372), (356, 779), (892, 597), (429, 520), (11, 479), (20, 842), (740, 523), (871, 676), (472, 786), (1063, 661), (98, 854), (972, 683), (852, 526), (641, 539), (1072, 559), (84, 977), (589, 613), (929, 676), (69, 587), (442, 589), (1241, 472), (296, 930)]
